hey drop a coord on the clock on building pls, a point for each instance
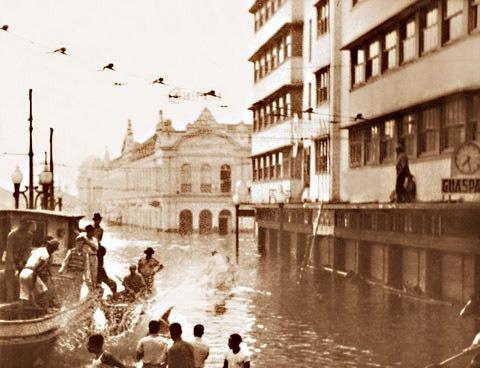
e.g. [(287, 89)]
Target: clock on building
[(467, 158)]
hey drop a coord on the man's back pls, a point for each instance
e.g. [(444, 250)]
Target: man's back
[(201, 351), (181, 355), (153, 348), (19, 245), (134, 282)]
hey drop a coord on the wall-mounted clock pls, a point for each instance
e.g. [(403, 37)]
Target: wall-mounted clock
[(467, 158)]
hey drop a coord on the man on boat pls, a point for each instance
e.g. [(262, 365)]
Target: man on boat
[(45, 275), (134, 282), (148, 267), (152, 349), (31, 285), (98, 230), (92, 249), (76, 265), (19, 245)]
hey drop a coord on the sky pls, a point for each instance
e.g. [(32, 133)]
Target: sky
[(198, 45)]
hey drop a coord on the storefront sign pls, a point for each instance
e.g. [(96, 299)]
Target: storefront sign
[(461, 185)]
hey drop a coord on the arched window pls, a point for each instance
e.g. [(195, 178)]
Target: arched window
[(225, 179), (205, 178), (186, 179)]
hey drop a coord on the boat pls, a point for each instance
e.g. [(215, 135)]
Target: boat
[(122, 316), (29, 325)]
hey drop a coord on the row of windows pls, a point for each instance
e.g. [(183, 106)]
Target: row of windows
[(205, 179), (429, 28), (276, 165), (429, 129), (266, 11), (272, 58), (272, 112)]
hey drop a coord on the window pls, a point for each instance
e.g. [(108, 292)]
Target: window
[(322, 17), (359, 68), (281, 52), (355, 147), (273, 163), (274, 57), (225, 179), (388, 140), (321, 78), (373, 64), (205, 179), (288, 104), (310, 36), (257, 70), (286, 163), (454, 127), (288, 46), (452, 20), (430, 30), (429, 130), (406, 133), (254, 168), (474, 14), (278, 168), (262, 67), (408, 41), (186, 179), (281, 110), (390, 51), (268, 63), (321, 156), (371, 145), (475, 117)]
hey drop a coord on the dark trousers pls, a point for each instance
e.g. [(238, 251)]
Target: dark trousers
[(103, 277), (400, 191)]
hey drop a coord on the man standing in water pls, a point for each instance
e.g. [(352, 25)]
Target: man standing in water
[(148, 267), (235, 357), (181, 354), (102, 357), (19, 245), (152, 349)]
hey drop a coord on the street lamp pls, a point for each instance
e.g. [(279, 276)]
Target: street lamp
[(236, 202), (44, 179), (17, 177), (281, 197), (59, 200)]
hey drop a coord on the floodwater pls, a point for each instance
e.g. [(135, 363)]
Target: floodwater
[(319, 321)]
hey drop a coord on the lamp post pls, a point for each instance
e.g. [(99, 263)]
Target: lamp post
[(236, 202), (45, 179), (17, 177), (281, 203), (59, 200)]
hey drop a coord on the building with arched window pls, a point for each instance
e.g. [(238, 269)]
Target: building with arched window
[(177, 180)]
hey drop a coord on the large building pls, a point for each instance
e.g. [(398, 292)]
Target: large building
[(294, 144), (177, 179), (414, 77)]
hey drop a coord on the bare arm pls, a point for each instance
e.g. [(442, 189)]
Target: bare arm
[(63, 268), (225, 363)]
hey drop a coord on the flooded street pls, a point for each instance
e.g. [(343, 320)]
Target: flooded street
[(323, 321)]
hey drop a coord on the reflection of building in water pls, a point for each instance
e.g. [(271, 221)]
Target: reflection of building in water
[(176, 179)]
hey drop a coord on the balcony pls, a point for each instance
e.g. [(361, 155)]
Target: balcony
[(290, 12), (289, 72), (265, 191)]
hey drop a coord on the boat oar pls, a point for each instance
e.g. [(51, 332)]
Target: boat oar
[(470, 349)]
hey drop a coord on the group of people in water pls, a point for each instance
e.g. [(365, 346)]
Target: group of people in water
[(28, 274), (153, 351)]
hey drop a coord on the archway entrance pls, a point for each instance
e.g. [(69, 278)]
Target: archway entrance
[(205, 222), (223, 221), (186, 222)]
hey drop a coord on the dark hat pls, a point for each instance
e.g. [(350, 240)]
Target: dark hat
[(89, 228), (96, 216), (149, 250)]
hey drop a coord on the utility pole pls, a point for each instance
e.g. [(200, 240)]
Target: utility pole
[(52, 188), (30, 156)]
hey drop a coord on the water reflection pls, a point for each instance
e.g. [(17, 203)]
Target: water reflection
[(322, 321)]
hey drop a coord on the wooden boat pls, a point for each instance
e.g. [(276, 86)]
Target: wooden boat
[(27, 325)]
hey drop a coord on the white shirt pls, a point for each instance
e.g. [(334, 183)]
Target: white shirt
[(154, 349), (200, 352), (236, 360), (37, 256)]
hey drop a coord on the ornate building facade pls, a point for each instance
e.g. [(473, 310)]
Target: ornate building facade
[(177, 180)]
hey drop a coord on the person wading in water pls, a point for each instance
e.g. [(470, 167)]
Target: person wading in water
[(148, 267)]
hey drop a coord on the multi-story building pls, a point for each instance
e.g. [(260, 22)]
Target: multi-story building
[(295, 145), (414, 79), (178, 179)]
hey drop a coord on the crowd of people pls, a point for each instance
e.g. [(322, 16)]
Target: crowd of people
[(153, 351)]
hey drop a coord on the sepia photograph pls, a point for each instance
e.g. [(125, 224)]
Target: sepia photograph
[(240, 183)]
